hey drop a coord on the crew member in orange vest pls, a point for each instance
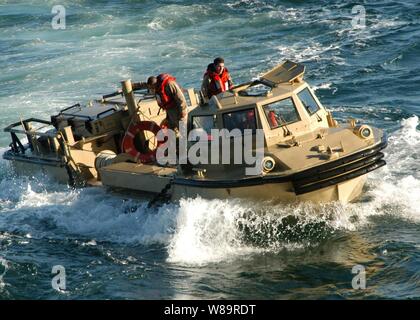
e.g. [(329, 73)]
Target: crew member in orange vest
[(216, 79), (169, 97)]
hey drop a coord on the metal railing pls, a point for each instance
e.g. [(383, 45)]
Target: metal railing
[(32, 134)]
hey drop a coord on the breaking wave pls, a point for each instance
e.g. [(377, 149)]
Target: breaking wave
[(198, 231)]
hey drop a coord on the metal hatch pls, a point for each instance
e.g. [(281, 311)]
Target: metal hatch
[(288, 71)]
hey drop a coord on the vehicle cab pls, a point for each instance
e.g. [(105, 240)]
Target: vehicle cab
[(279, 103)]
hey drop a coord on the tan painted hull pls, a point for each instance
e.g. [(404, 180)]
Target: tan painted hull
[(58, 174), (277, 192), (347, 191)]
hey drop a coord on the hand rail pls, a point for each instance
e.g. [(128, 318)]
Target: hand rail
[(68, 108), (101, 113), (16, 124)]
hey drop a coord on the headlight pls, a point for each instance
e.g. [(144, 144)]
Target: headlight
[(268, 164), (365, 132)]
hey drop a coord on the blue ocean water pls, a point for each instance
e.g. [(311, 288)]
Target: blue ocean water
[(117, 248)]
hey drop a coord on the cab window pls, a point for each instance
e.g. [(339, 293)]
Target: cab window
[(308, 101), (205, 123), (281, 112), (243, 119)]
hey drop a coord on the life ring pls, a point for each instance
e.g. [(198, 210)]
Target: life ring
[(129, 147)]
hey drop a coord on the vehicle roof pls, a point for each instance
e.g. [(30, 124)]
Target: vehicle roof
[(280, 82), (229, 101)]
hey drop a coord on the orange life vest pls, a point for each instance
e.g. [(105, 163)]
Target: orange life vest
[(164, 101), (218, 82), (273, 120)]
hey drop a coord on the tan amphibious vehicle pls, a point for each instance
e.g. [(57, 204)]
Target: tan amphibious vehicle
[(305, 154)]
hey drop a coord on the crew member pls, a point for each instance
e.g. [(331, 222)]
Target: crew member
[(216, 79), (169, 97)]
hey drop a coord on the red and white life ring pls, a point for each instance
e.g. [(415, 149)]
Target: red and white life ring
[(129, 147)]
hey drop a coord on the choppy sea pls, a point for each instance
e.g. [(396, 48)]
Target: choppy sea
[(112, 248)]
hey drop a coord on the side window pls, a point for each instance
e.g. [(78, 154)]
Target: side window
[(243, 119), (205, 123), (281, 112), (308, 101)]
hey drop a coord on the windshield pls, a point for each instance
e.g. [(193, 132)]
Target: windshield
[(308, 101), (205, 123), (281, 112), (243, 119)]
